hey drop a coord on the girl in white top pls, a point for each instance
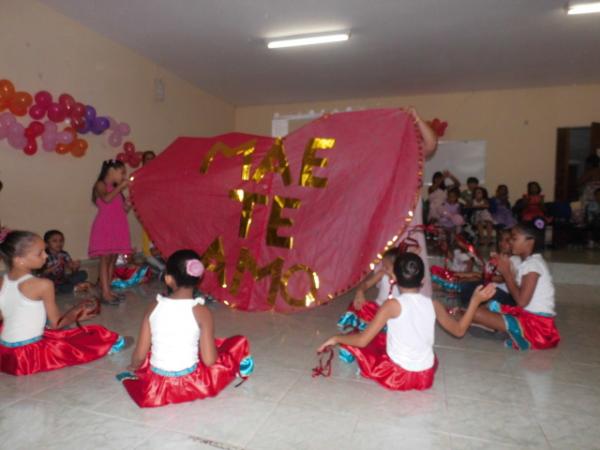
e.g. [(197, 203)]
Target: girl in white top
[(402, 359), (31, 338), (530, 324), (177, 358)]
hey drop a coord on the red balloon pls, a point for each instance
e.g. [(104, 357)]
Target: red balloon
[(43, 98), (67, 102), (135, 160), (78, 110), (128, 147), (31, 147), (37, 128), (37, 111), (77, 122), (121, 157), (56, 113)]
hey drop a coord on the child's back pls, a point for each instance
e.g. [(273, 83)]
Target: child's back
[(542, 300), (175, 334), (410, 336), (24, 319)]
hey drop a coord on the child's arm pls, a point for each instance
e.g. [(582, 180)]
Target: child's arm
[(142, 346), (389, 310), (459, 328), (521, 294), (455, 182), (208, 350), (107, 197), (429, 137), (370, 281)]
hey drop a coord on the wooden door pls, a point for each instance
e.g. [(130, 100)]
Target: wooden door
[(561, 176)]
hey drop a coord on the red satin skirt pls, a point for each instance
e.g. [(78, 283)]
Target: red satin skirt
[(374, 363), (358, 319), (528, 330), (149, 389), (57, 349)]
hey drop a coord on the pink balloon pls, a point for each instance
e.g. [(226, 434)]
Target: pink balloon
[(56, 113), (37, 111), (43, 98), (50, 127), (16, 129), (124, 129), (64, 137), (114, 140), (7, 119), (3, 131), (17, 142), (112, 123), (48, 145)]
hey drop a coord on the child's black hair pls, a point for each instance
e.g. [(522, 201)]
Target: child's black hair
[(409, 270), (48, 234), (15, 244), (455, 191), (438, 175), (533, 230), (483, 191), (473, 180), (106, 166), (532, 184), (177, 268)]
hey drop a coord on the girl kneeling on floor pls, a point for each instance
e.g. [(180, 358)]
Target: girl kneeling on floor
[(402, 359), (31, 338), (177, 358)]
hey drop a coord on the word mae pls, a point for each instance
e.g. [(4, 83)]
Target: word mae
[(275, 161)]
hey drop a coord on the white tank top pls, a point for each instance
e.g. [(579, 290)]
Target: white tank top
[(175, 334), (383, 286), (410, 336), (23, 318)]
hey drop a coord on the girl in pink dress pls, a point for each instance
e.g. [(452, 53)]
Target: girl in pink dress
[(110, 230)]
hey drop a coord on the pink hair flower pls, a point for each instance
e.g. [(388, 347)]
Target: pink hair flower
[(194, 268)]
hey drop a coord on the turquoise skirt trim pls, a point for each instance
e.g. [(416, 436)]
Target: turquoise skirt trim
[(20, 343), (350, 322), (345, 356), (448, 285), (176, 373), (133, 281), (247, 366), (117, 346)]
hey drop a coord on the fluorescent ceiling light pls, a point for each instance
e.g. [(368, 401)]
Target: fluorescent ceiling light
[(308, 40), (584, 8)]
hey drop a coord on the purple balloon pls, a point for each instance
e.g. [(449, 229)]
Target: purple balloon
[(85, 128), (16, 129), (90, 113), (3, 131), (48, 144), (100, 125), (7, 119)]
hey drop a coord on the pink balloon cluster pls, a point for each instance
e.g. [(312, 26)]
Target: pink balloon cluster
[(12, 130), (119, 131), (52, 137)]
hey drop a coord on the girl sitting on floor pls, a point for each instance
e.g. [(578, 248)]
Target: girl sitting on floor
[(361, 311), (530, 324), (177, 358), (403, 358), (31, 338)]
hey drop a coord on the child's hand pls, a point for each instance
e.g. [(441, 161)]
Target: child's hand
[(87, 311), (332, 341), (503, 265), (483, 294), (359, 300)]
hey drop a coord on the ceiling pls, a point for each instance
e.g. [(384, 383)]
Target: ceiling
[(397, 47)]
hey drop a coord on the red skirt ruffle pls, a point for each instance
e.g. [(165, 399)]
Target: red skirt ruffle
[(374, 363), (358, 319), (58, 349), (528, 330), (149, 389)]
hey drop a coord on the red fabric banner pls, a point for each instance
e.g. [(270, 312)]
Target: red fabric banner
[(290, 223)]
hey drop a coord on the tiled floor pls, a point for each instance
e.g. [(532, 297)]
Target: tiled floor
[(484, 396)]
